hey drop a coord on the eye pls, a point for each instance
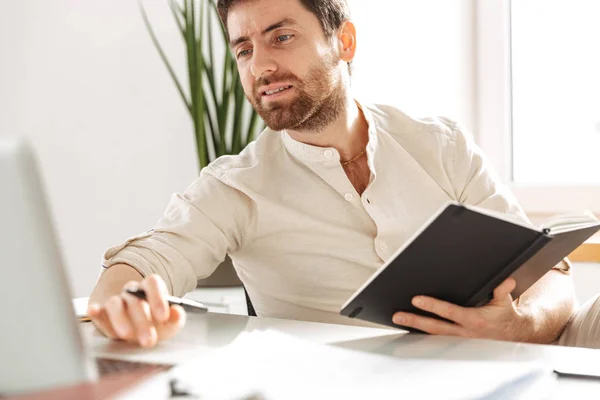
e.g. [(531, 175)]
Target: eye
[(284, 38), (243, 53)]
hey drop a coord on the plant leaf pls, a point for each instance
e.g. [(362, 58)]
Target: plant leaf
[(251, 134), (218, 130), (238, 115), (203, 112), (211, 56), (163, 56), (176, 11), (195, 86), (216, 118), (226, 89), (223, 30), (229, 70), (179, 8)]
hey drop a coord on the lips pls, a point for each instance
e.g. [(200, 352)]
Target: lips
[(273, 89)]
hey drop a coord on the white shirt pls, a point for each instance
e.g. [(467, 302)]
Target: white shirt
[(301, 238)]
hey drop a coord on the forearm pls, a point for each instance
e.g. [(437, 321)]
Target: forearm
[(111, 282), (546, 307)]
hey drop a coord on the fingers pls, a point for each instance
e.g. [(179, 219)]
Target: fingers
[(146, 322), (101, 321), (105, 321), (487, 321), (156, 290), (429, 325), (460, 315), (116, 314), (141, 319), (175, 322)]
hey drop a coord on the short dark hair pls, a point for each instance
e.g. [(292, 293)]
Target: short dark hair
[(331, 14)]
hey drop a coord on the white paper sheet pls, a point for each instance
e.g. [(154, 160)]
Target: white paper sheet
[(272, 365)]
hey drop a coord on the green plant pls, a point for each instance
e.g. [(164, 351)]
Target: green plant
[(224, 122)]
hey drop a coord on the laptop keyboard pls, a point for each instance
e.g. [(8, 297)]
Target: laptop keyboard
[(110, 366)]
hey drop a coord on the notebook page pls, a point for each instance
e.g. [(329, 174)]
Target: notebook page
[(565, 222)]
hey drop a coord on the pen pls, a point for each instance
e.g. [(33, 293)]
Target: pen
[(188, 305)]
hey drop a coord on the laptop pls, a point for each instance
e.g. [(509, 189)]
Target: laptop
[(40, 342)]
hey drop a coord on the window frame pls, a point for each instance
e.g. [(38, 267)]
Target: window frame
[(493, 110)]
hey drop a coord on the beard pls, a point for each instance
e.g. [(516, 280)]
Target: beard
[(319, 100)]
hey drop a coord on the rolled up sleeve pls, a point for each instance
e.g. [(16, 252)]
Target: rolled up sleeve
[(197, 230)]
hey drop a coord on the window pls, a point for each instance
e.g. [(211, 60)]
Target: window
[(538, 90), (556, 91)]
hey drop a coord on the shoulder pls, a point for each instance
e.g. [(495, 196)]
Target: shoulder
[(433, 136), (253, 157), (398, 123)]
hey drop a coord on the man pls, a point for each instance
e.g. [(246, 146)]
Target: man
[(321, 200)]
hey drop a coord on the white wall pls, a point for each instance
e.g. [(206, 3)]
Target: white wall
[(417, 55), (83, 82)]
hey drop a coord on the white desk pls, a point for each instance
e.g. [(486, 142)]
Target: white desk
[(206, 332)]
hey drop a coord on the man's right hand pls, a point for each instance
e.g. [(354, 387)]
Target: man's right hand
[(128, 318)]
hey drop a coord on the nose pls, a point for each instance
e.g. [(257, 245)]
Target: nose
[(263, 64)]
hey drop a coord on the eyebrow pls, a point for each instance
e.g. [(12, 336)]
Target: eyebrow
[(282, 23)]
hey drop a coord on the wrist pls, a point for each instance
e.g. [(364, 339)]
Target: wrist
[(528, 325)]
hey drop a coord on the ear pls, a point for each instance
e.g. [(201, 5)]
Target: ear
[(347, 41)]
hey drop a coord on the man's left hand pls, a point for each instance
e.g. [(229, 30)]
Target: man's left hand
[(499, 319)]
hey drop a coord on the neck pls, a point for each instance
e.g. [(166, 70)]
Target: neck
[(348, 134)]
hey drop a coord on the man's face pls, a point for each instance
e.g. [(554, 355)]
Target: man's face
[(289, 69)]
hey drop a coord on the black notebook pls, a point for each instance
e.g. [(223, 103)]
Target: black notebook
[(461, 255)]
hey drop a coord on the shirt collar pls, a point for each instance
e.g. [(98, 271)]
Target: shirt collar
[(329, 156)]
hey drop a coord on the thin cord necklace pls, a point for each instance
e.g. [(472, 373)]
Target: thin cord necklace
[(355, 158)]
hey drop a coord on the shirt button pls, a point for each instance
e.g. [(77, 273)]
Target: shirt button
[(349, 196), (383, 245), (328, 153)]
